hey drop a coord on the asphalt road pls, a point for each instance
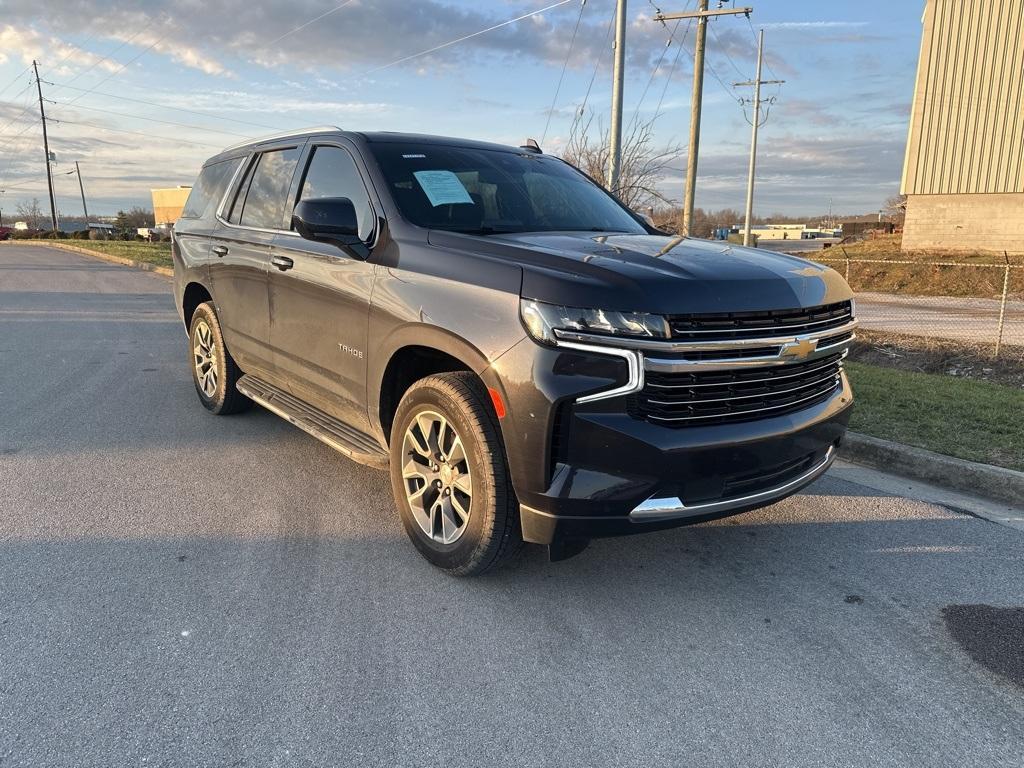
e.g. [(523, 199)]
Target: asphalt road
[(186, 590), (957, 318)]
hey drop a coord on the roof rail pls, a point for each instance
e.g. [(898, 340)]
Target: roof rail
[(283, 135)]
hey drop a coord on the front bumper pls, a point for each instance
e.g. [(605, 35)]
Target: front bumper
[(589, 469)]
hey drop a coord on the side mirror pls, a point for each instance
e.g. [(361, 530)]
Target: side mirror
[(330, 220)]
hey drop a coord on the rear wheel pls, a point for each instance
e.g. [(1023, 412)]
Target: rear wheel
[(214, 371), (450, 477)]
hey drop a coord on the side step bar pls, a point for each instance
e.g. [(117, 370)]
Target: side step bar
[(355, 444)]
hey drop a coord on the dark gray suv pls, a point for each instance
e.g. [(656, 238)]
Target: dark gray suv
[(530, 358)]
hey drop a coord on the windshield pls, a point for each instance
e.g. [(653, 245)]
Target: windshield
[(484, 191)]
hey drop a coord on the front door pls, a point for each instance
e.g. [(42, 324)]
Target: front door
[(320, 297)]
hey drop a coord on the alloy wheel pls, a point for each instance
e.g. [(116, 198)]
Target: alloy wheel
[(438, 481), (205, 358)]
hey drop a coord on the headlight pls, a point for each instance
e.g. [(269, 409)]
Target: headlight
[(542, 320)]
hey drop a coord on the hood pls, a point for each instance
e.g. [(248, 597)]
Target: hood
[(656, 273)]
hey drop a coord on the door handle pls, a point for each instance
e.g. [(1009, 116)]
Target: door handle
[(220, 250), (282, 262)]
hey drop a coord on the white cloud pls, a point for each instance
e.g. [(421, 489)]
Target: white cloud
[(28, 44)]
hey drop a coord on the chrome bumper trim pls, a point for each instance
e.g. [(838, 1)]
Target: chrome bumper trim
[(674, 508)]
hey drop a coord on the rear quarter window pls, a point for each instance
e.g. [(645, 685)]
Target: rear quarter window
[(209, 189)]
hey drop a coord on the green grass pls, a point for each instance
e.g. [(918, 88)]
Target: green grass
[(158, 254), (972, 420)]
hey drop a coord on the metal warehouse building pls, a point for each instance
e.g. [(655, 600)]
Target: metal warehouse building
[(964, 169)]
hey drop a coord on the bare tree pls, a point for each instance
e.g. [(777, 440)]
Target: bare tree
[(642, 167), (896, 208), (31, 213)]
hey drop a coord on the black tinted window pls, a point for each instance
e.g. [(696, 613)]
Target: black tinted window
[(266, 197), (332, 173), (209, 189)]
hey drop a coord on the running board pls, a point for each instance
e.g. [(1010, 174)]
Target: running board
[(357, 445)]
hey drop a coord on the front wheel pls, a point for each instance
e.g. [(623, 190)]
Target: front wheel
[(214, 371), (450, 477)]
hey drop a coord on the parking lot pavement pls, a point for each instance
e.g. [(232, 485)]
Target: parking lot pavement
[(183, 589)]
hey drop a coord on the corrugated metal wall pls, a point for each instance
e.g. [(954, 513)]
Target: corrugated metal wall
[(967, 122)]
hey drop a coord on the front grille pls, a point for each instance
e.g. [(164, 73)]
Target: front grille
[(738, 394), (714, 326)]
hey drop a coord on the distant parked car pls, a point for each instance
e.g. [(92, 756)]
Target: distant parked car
[(6, 233)]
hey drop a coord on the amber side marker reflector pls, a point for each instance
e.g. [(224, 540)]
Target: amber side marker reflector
[(499, 404)]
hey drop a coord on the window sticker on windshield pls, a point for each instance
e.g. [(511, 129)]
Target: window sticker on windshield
[(442, 188), (407, 157)]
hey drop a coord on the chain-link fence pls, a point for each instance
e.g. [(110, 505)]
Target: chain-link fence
[(961, 304)]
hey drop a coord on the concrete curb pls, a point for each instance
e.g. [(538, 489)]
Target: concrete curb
[(997, 483), (95, 254)]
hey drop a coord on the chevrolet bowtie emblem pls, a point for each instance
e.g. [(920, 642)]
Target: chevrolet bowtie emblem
[(798, 349)]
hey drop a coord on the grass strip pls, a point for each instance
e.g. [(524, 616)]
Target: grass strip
[(968, 419)]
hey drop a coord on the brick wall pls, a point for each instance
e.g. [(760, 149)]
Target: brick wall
[(963, 222)]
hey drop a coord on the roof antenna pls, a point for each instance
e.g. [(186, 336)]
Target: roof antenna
[(531, 145)]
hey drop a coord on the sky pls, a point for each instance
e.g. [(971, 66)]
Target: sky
[(141, 93)]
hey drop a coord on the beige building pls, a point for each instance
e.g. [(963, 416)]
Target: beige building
[(168, 204), (778, 231), (964, 169)]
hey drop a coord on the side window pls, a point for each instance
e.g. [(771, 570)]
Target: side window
[(266, 198), (332, 173), (209, 189), (234, 212)]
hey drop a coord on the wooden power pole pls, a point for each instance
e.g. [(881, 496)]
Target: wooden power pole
[(46, 149), (756, 122), (701, 14)]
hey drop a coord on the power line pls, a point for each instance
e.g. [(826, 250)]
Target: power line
[(311, 21), (753, 33), (672, 71), (151, 119), (134, 133), (602, 51), (120, 69), (168, 106), (107, 56), (561, 77), (17, 117), (74, 48), (16, 79), (654, 71), (463, 38), (724, 50)]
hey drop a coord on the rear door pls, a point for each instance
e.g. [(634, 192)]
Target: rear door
[(249, 221), (198, 219), (320, 295)]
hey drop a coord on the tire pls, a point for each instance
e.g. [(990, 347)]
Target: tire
[(214, 371), (463, 539)]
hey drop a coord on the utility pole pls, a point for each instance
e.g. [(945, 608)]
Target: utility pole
[(81, 189), (701, 14), (755, 123), (46, 148), (615, 137)]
